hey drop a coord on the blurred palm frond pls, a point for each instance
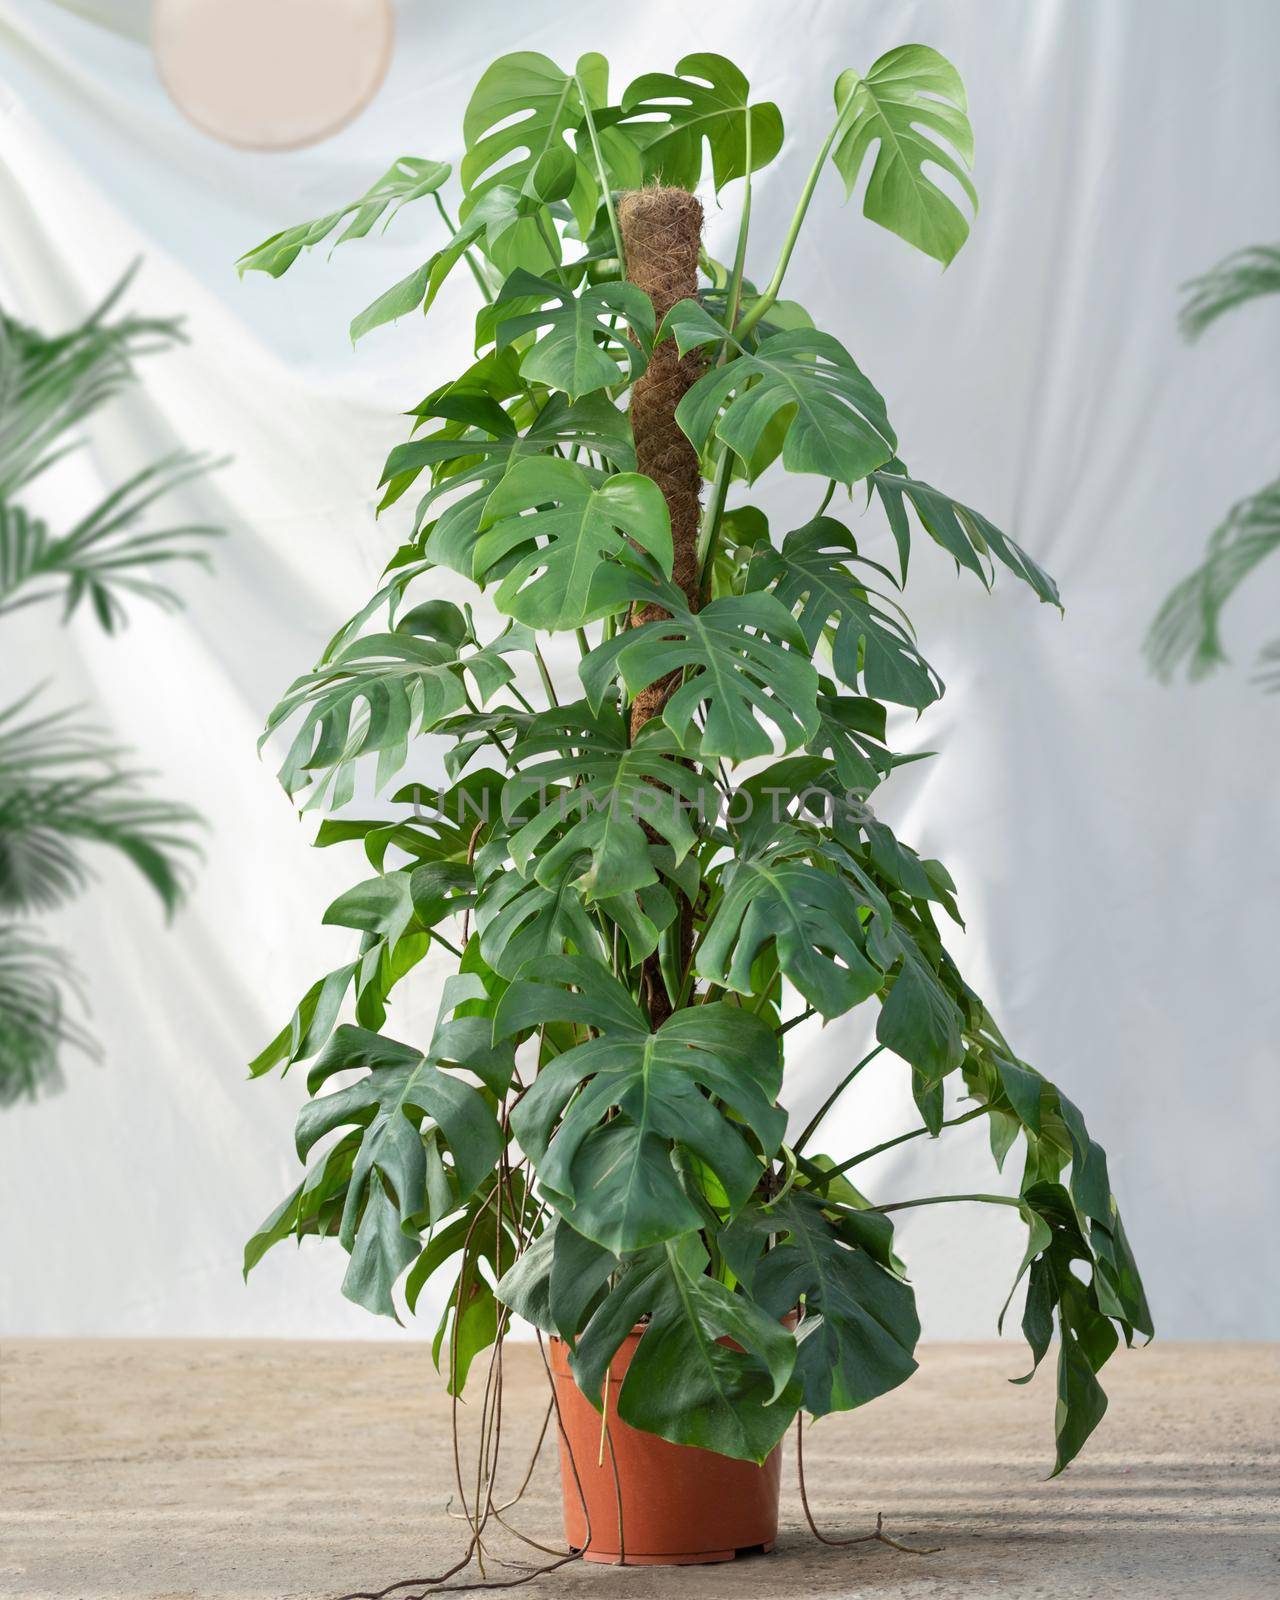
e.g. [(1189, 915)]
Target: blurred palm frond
[(62, 788), (37, 988), (1186, 630), (1242, 276)]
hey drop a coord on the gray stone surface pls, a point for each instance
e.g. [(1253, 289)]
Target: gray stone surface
[(290, 1471)]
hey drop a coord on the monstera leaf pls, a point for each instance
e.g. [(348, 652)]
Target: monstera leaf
[(919, 1020), (375, 692), (684, 1382), (557, 1279), (810, 914), (741, 656), (959, 529), (407, 179), (583, 348), (834, 418), (549, 526), (480, 443), (518, 129), (519, 919), (388, 1188), (707, 98), (498, 217), (865, 1326), (602, 800), (812, 575), (602, 1121), (912, 106)]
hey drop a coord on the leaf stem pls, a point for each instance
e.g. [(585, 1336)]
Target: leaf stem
[(545, 676), (766, 300), (481, 281), (902, 1138), (603, 176), (816, 1120), (948, 1199)]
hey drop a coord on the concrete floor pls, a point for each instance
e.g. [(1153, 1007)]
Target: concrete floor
[(289, 1471)]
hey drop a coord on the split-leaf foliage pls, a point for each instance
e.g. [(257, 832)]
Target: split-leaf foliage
[(573, 1143)]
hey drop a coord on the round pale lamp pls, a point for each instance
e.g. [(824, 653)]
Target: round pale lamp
[(272, 74)]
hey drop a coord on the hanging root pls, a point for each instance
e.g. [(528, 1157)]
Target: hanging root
[(876, 1536), (478, 1515)]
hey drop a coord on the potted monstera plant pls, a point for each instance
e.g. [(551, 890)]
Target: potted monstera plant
[(646, 872)]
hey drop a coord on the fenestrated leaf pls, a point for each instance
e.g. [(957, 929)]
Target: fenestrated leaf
[(407, 179), (909, 98), (375, 692), (548, 527), (813, 575), (599, 792), (401, 1087), (602, 1120), (919, 1020), (496, 217), (740, 676), (380, 1251), (557, 1279), (519, 919), (811, 914), (959, 529), (307, 1209), (706, 98), (585, 345), (834, 418), (683, 1383), (860, 1325), (518, 128)]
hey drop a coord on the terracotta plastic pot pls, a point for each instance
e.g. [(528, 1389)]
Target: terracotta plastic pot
[(679, 1505)]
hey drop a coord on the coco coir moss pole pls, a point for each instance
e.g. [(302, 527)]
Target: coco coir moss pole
[(661, 232)]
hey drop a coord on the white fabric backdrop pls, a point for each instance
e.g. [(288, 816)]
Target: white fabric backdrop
[(1115, 843)]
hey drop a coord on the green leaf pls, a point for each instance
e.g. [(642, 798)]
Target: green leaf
[(959, 529), (557, 1279), (547, 529), (495, 218), (401, 1087), (1242, 276), (833, 419), (62, 788), (812, 576), (519, 920), (602, 1120), (584, 348), (1187, 631), (686, 1382), (742, 659), (707, 98), (912, 106), (376, 692), (811, 916), (919, 1020), (518, 128), (477, 458), (407, 179), (860, 1325), (618, 795), (105, 559)]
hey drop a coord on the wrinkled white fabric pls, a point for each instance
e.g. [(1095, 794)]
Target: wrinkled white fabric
[(1115, 843)]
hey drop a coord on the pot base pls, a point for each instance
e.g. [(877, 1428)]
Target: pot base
[(632, 1499), (702, 1558)]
